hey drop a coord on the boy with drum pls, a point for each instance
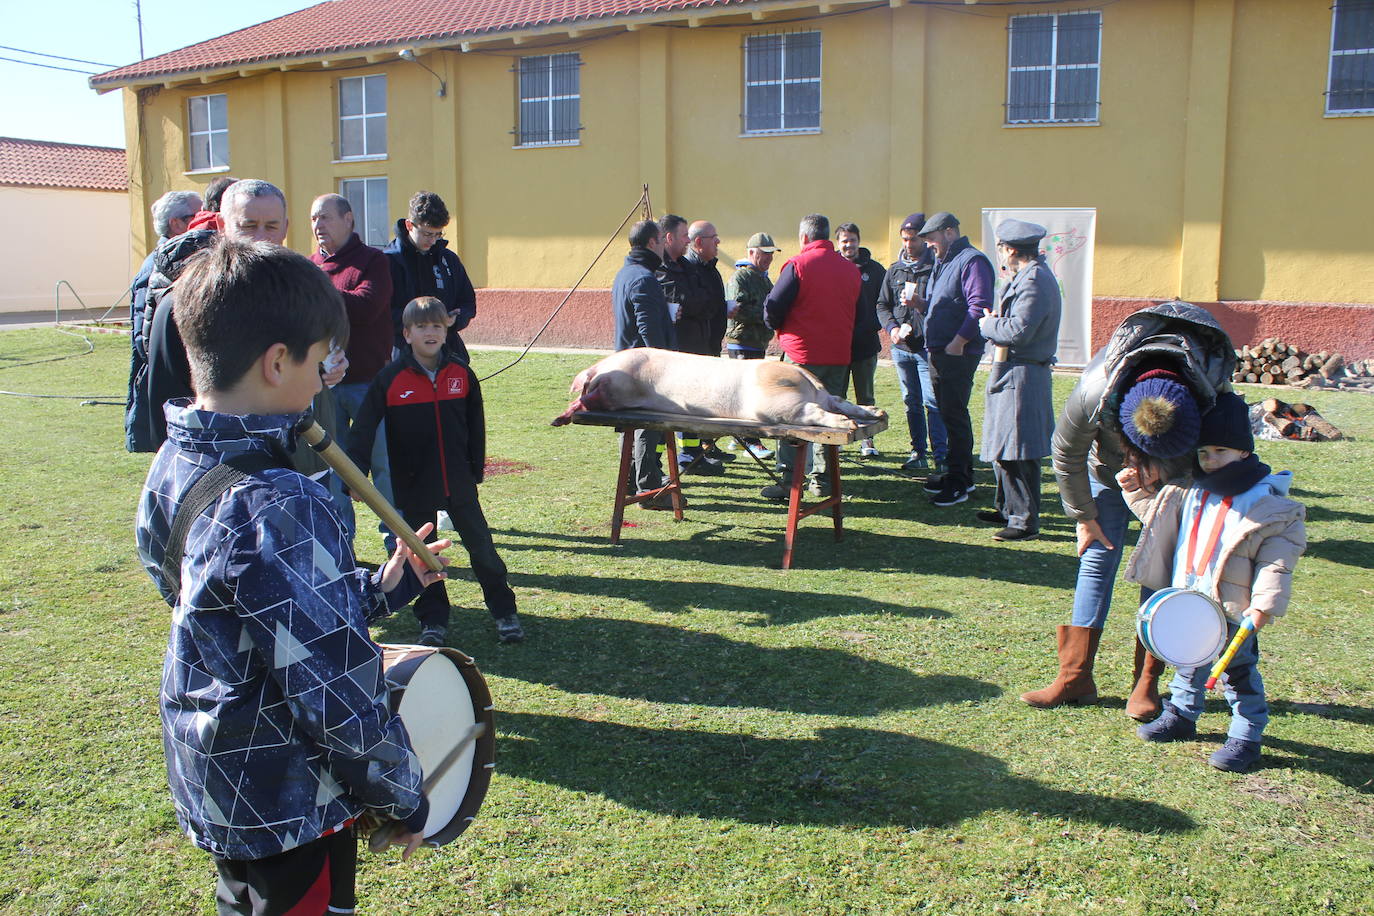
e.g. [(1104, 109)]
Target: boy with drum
[(274, 709), (1232, 534)]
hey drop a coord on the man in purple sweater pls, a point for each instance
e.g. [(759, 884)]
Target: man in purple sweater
[(959, 293)]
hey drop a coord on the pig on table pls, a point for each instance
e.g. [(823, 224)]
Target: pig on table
[(762, 391)]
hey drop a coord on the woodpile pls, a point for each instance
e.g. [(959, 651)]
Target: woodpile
[(1273, 362), (1298, 421)]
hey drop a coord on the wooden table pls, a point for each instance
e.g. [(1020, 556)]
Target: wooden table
[(798, 437)]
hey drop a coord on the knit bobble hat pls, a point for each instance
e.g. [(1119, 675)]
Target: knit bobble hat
[(1160, 416), (1227, 424)]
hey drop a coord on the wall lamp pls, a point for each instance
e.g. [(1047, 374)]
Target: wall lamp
[(408, 54)]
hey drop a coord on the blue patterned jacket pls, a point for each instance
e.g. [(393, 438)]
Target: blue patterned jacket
[(274, 710)]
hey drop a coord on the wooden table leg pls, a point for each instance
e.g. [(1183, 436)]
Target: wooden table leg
[(674, 481), (832, 466), (627, 444), (793, 500)]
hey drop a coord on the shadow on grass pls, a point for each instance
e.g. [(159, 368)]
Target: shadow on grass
[(1352, 769), (842, 777), (815, 548), (1359, 554), (780, 606), (665, 664)]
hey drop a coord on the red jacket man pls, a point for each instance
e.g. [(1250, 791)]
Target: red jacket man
[(813, 304)]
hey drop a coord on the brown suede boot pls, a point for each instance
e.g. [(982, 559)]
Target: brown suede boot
[(1077, 649), (1144, 702)]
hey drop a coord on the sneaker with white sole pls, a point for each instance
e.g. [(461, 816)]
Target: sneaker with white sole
[(868, 450), (949, 496), (433, 636), (916, 464), (508, 628), (761, 452)]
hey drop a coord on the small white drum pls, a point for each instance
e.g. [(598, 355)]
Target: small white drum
[(1183, 627), (440, 696)]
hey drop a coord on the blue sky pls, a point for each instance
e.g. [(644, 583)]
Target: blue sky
[(42, 104)]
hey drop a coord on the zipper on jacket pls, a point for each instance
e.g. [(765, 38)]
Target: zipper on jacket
[(439, 426)]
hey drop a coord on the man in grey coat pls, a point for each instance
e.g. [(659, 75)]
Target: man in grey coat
[(642, 319), (1018, 419)]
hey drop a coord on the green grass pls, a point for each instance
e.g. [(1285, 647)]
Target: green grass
[(690, 730)]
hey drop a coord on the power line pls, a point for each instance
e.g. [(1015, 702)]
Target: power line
[(75, 60), (34, 63)]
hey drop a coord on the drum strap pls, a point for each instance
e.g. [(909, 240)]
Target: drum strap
[(1197, 564), (206, 491)]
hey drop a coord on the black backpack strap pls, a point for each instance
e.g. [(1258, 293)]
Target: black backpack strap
[(204, 493)]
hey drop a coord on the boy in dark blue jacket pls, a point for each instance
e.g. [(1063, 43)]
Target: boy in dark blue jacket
[(436, 440), (275, 720)]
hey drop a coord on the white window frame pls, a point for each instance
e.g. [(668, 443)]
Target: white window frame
[(363, 119), (782, 81), (218, 137), (360, 211), (1054, 67), (549, 98), (1331, 69)]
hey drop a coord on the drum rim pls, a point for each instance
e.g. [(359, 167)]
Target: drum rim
[(484, 748), (1145, 615)]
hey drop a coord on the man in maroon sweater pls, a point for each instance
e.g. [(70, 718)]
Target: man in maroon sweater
[(362, 276), (812, 307)]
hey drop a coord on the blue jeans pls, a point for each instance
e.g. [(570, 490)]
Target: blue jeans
[(349, 398), (1242, 683), (1092, 594), (913, 375)]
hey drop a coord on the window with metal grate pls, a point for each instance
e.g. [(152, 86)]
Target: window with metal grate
[(550, 100), (1053, 64), (1350, 83), (782, 83)]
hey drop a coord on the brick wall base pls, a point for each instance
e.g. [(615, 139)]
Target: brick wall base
[(510, 317)]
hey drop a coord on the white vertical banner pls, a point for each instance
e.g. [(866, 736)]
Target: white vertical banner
[(1068, 250)]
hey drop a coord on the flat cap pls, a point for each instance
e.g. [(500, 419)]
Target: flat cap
[(942, 220), (1020, 233), (914, 221), (762, 241)]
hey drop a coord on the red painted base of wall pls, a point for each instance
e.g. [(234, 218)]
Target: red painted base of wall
[(510, 317), (1339, 327)]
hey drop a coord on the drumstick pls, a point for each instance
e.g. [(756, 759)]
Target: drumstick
[(1247, 627), (357, 482), (381, 837)]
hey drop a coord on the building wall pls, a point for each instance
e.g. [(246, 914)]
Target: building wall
[(1213, 170), (45, 237)]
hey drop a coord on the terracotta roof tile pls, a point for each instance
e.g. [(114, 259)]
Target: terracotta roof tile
[(42, 164), (345, 25)]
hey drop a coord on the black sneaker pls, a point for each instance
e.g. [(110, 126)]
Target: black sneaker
[(707, 467), (1014, 534), (949, 496), (433, 636), (715, 453), (776, 491), (508, 628), (991, 516), (662, 502), (934, 484)]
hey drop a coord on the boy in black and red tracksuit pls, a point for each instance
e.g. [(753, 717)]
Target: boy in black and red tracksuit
[(436, 441)]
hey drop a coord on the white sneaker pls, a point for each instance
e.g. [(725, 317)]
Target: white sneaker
[(867, 450), (442, 521), (761, 452)]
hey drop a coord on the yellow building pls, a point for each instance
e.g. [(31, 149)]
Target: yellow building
[(1224, 145)]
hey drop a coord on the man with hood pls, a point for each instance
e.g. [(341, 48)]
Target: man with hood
[(422, 264)]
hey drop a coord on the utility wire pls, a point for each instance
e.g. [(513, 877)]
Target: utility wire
[(34, 63), (74, 60)]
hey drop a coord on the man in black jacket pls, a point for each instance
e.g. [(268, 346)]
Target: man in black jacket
[(864, 350), (643, 319), (423, 265), (901, 311)]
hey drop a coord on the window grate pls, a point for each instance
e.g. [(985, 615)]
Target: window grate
[(550, 100), (208, 133), (782, 83), (362, 116), (1350, 81), (1053, 68), (371, 214)]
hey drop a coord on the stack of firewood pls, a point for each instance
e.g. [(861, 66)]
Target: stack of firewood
[(1298, 421), (1273, 362)]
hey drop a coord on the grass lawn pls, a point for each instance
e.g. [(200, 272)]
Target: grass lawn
[(691, 730)]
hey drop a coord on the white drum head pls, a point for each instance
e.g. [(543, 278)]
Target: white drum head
[(437, 710), (1187, 630)]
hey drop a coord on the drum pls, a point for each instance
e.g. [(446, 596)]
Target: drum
[(440, 695), (1182, 627)]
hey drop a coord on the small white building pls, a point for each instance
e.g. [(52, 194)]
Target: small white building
[(65, 210)]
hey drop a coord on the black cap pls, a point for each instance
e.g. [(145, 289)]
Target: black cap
[(942, 220), (914, 221), (1227, 424)]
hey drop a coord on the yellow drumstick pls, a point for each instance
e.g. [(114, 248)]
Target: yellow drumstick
[(1246, 628)]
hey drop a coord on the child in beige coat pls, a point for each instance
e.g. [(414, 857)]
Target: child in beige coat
[(1234, 535)]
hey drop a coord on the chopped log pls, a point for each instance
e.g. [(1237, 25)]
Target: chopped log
[(1291, 363), (1251, 377), (1333, 366)]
